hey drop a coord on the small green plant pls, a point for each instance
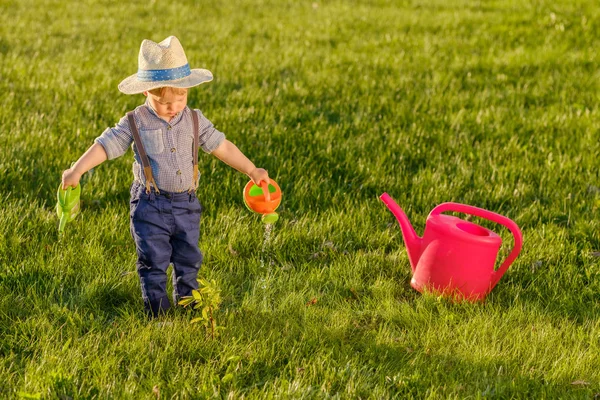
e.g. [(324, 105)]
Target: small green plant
[(206, 298)]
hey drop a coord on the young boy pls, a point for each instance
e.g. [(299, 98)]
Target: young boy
[(165, 135)]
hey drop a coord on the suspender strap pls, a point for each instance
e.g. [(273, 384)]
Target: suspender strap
[(143, 155), (195, 154)]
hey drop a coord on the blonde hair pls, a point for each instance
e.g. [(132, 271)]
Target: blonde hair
[(161, 91)]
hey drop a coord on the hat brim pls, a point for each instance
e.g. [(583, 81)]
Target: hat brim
[(131, 84)]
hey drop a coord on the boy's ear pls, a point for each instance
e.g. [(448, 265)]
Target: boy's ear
[(146, 94)]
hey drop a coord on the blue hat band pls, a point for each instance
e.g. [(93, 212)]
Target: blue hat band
[(155, 75)]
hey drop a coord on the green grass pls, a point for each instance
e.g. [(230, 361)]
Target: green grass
[(489, 103)]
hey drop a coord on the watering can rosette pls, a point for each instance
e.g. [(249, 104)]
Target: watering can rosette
[(263, 199), (455, 257)]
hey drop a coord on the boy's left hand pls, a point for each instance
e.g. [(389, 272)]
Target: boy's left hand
[(259, 174)]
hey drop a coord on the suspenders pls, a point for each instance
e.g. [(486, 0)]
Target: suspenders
[(146, 161), (195, 156)]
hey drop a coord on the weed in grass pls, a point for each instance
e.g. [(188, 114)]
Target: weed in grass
[(207, 299)]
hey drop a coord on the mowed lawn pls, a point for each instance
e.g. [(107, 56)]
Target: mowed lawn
[(488, 103)]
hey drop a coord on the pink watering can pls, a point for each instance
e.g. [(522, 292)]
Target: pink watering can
[(455, 257)]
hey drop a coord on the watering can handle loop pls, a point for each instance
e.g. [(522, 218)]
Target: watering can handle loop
[(491, 216), (64, 194), (265, 188)]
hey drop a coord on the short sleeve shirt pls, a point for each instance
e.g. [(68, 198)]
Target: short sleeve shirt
[(169, 145)]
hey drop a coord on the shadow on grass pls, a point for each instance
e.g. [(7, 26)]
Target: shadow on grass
[(351, 361), (41, 292), (422, 372), (107, 299)]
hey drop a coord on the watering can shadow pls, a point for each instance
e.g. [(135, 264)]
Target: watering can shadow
[(455, 257)]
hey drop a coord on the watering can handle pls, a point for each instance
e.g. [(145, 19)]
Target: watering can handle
[(491, 216), (265, 188), (65, 193), (64, 217)]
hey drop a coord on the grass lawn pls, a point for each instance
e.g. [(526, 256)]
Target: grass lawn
[(488, 103)]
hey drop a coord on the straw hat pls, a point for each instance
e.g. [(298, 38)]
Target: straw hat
[(163, 64)]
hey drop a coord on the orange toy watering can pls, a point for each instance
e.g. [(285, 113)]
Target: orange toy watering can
[(263, 199), (455, 257)]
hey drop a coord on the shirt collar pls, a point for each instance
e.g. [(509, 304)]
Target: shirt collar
[(173, 121)]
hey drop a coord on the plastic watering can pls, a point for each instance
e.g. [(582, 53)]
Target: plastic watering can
[(263, 199), (455, 257), (67, 206)]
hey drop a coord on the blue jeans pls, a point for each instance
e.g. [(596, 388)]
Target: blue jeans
[(166, 229)]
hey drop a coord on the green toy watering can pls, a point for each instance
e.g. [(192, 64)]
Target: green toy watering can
[(67, 206)]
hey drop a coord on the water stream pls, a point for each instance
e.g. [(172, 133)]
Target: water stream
[(265, 263)]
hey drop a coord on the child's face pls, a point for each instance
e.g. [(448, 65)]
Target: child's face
[(168, 105)]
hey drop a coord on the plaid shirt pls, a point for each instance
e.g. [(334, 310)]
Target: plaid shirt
[(169, 145)]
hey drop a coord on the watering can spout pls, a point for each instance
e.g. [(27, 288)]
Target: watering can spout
[(411, 239)]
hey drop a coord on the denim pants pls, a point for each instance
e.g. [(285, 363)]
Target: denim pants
[(166, 229)]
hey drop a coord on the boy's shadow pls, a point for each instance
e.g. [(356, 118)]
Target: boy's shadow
[(64, 295)]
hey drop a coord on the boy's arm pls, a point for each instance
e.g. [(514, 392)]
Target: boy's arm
[(232, 156), (94, 156)]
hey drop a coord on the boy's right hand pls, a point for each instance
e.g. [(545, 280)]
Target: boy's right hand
[(70, 177)]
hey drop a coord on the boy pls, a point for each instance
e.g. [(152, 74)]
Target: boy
[(166, 134)]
